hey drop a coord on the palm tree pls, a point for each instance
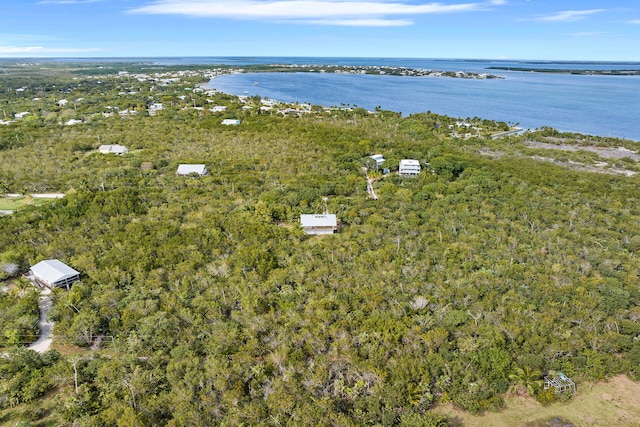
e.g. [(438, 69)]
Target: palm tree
[(527, 380)]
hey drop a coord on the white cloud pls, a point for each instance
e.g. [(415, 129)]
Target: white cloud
[(14, 50), (635, 21), (363, 22), (570, 15), (326, 12)]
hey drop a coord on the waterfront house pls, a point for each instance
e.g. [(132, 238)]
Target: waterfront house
[(319, 224)]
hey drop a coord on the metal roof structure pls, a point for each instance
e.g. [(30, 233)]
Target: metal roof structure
[(115, 149), (560, 383), (319, 223), (55, 273), (379, 158), (409, 167), (409, 162), (318, 220), (189, 169)]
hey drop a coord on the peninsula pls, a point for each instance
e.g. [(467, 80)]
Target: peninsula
[(369, 69), (570, 71)]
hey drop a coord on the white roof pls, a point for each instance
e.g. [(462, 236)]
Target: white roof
[(316, 220), (188, 169), (409, 162), (117, 149), (52, 271)]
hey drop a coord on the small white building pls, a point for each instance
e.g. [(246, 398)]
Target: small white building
[(113, 149), (54, 273), (378, 158), (319, 224), (154, 107), (185, 170), (409, 167), (229, 122)]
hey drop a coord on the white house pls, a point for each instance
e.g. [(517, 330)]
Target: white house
[(154, 107), (62, 102), (319, 224), (184, 170), (378, 158), (230, 122), (218, 109), (52, 273), (113, 149), (409, 167)]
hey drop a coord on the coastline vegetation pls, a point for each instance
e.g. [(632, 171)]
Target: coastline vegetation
[(202, 301), (594, 72)]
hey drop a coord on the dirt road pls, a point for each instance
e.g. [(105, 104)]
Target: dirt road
[(43, 343)]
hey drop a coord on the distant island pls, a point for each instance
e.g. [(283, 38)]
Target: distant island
[(570, 71), (368, 69)]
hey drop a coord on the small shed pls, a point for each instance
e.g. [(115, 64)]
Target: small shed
[(113, 149), (319, 223), (54, 273), (185, 170), (409, 167), (229, 122)]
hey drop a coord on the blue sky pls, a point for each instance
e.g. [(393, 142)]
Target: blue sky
[(509, 29)]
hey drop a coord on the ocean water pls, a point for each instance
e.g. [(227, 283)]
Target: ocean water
[(588, 104)]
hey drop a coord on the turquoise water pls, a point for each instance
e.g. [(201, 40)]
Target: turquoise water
[(588, 104)]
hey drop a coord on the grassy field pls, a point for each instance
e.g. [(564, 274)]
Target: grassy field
[(613, 403), (15, 203), (37, 414)]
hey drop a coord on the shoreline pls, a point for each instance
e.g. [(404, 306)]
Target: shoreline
[(527, 123)]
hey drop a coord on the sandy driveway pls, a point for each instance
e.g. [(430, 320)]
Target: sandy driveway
[(43, 343)]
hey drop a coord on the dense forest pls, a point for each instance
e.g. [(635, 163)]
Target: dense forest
[(203, 302)]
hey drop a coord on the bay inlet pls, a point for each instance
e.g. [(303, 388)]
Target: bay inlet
[(603, 105)]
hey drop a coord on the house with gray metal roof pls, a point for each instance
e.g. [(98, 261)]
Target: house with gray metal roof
[(53, 273), (185, 170), (113, 149), (319, 223)]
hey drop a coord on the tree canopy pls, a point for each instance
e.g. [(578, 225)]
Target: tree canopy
[(214, 307)]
